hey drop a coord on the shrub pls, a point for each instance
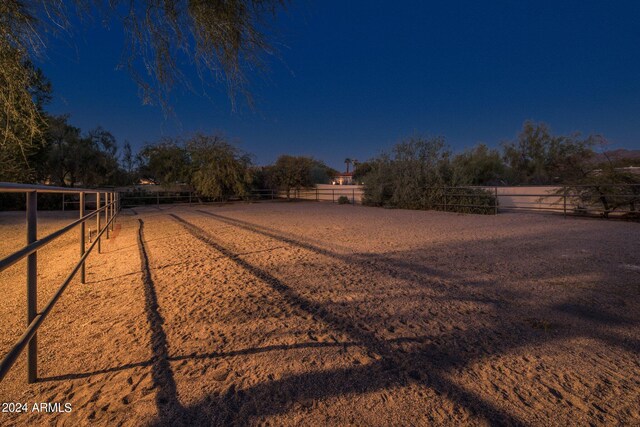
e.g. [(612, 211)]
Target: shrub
[(418, 175), (343, 200)]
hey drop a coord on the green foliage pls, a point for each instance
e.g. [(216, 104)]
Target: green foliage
[(399, 179), (220, 170), (343, 200), (463, 200), (361, 171), (221, 39), (295, 172), (479, 165), (69, 158), (213, 167), (321, 173), (538, 157), (20, 118), (23, 92), (166, 162), (607, 189), (419, 175)]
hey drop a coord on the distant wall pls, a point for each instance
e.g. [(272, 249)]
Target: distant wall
[(331, 193), (520, 198), (531, 198)]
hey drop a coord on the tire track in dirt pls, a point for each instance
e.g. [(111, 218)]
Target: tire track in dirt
[(545, 399), (374, 264), (167, 402), (386, 359)]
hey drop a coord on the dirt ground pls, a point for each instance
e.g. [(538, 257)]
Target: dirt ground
[(319, 314)]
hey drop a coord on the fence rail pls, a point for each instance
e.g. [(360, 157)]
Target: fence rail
[(157, 198), (110, 209), (591, 200)]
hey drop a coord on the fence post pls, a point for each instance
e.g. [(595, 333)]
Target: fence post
[(333, 195), (445, 200), (32, 285), (62, 202), (82, 231), (158, 199), (317, 195), (565, 202), (189, 198), (106, 212), (495, 203), (98, 220), (113, 210), (353, 196)]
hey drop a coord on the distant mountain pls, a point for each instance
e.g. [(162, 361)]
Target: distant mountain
[(619, 155)]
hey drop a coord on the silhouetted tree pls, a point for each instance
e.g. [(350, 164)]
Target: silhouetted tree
[(68, 158), (479, 165), (418, 175), (220, 170), (22, 120), (347, 162), (538, 157), (294, 172), (361, 171), (222, 39), (166, 162)]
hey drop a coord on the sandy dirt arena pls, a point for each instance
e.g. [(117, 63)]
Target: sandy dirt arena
[(319, 314)]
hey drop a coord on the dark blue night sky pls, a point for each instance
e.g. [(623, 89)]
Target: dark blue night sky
[(354, 77)]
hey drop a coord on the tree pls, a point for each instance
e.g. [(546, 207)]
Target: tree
[(294, 172), (347, 162), (22, 120), (418, 174), (69, 158), (603, 184), (222, 39), (62, 152), (128, 161), (538, 157), (321, 173), (166, 162), (479, 165), (400, 178), (526, 157), (361, 171), (220, 170)]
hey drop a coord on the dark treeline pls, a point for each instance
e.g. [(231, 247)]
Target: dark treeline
[(209, 164), (418, 173), (217, 169)]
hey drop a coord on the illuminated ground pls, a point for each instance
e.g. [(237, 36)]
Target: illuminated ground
[(319, 314)]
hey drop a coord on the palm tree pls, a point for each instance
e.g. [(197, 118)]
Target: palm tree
[(347, 162)]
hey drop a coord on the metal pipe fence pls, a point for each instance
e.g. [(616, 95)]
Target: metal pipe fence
[(610, 200), (155, 198), (110, 208)]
